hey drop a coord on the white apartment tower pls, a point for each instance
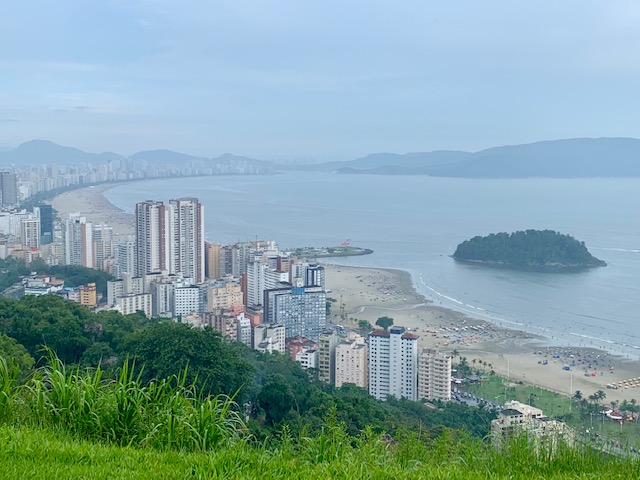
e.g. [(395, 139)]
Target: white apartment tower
[(434, 375), (186, 238), (393, 364), (151, 238)]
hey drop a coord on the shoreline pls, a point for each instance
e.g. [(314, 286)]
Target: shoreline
[(366, 293), (511, 353)]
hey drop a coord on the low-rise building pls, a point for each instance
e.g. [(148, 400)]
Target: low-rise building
[(521, 419)]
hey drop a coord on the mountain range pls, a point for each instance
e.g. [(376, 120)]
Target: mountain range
[(570, 158), (37, 152)]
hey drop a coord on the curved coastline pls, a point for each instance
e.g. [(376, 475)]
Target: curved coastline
[(511, 344)]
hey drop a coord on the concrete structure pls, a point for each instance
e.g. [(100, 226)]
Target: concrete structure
[(126, 257), (521, 419), (351, 362), (307, 358), (129, 304), (186, 238), (314, 275), (434, 375), (225, 294), (8, 189), (45, 213), (88, 296), (269, 338), (302, 310), (393, 364), (103, 245), (78, 241), (328, 341), (212, 253), (30, 232), (152, 242), (42, 285), (187, 299)]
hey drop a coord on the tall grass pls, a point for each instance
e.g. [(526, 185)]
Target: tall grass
[(162, 414)]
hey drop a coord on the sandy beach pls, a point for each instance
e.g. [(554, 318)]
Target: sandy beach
[(92, 204), (369, 293)]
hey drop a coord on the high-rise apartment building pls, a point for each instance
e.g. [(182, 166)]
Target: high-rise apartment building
[(212, 254), (102, 244), (434, 375), (30, 232), (393, 364), (152, 242), (186, 238), (302, 310), (126, 258), (45, 213), (8, 189), (78, 241)]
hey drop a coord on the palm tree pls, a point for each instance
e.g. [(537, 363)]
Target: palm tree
[(600, 395), (577, 396)]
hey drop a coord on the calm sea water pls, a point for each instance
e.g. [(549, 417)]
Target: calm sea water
[(415, 222)]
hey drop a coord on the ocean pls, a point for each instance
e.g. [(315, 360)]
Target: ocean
[(415, 222)]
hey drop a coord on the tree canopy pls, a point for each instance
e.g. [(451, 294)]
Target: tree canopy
[(527, 249)]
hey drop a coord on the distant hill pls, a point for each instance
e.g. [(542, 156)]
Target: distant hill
[(37, 152), (572, 158)]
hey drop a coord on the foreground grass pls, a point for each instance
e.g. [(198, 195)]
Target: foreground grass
[(76, 424), (31, 453)]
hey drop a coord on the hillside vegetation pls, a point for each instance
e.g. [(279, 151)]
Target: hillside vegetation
[(536, 249)]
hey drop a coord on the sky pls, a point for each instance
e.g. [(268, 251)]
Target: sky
[(330, 80)]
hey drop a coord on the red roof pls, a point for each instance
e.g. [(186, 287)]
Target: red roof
[(379, 333), (412, 336)]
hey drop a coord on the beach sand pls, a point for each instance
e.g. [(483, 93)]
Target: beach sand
[(370, 293), (92, 204)]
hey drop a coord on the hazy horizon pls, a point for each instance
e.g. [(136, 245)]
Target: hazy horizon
[(331, 81)]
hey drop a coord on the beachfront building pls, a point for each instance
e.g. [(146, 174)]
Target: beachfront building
[(434, 375), (351, 362), (393, 363), (521, 419), (103, 245), (126, 258)]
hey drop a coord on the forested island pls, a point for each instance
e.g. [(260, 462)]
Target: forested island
[(540, 250)]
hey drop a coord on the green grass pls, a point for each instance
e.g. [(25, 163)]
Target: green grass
[(31, 453), (71, 424)]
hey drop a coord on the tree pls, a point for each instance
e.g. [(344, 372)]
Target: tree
[(16, 356), (384, 322), (276, 399), (214, 363), (364, 326), (577, 396)]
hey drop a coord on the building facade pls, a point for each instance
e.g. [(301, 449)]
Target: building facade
[(393, 364), (434, 375)]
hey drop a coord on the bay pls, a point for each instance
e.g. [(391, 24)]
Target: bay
[(415, 222)]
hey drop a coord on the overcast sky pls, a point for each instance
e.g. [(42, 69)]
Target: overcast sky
[(285, 79)]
